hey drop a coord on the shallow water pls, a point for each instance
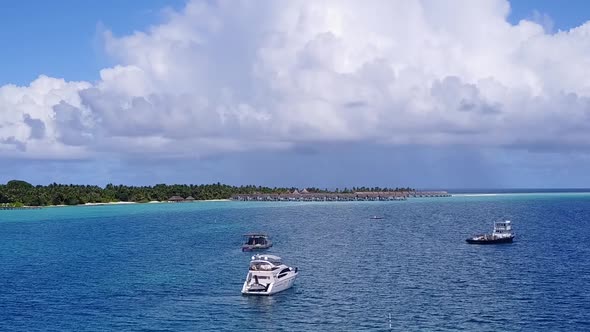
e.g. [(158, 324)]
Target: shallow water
[(178, 267)]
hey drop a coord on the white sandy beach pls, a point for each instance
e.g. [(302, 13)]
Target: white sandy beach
[(124, 203), (109, 203), (474, 195)]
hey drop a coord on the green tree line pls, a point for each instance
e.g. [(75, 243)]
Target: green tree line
[(18, 193)]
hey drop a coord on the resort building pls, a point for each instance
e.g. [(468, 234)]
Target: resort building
[(179, 199), (305, 196)]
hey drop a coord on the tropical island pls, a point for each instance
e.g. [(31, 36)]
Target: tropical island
[(17, 193)]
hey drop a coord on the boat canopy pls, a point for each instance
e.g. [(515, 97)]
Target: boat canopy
[(256, 240), (254, 234), (267, 258), (261, 266)]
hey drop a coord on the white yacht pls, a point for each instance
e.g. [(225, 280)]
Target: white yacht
[(267, 276)]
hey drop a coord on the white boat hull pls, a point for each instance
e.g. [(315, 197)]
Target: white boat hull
[(270, 288)]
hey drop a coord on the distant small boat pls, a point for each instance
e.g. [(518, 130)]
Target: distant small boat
[(502, 234), (376, 217), (255, 241)]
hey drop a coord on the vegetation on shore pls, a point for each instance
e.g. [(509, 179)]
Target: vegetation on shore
[(19, 193)]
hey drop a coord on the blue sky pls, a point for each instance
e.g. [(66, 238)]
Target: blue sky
[(212, 93), (564, 15), (61, 38)]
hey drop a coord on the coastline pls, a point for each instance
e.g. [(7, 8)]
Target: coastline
[(109, 203), (127, 203), (539, 193), (457, 195)]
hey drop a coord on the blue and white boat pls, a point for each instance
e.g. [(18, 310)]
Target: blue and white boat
[(502, 234)]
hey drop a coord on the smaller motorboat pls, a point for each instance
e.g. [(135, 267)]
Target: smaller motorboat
[(502, 234), (256, 241), (376, 217), (268, 275)]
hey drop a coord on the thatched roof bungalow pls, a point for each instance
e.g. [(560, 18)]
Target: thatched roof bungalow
[(175, 199)]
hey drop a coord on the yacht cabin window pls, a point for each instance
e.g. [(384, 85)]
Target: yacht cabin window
[(284, 272)]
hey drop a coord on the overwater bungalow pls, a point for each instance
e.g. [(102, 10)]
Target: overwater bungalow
[(297, 196)]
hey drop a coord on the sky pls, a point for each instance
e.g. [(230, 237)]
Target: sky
[(426, 94)]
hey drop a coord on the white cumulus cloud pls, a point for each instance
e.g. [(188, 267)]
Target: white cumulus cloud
[(228, 76)]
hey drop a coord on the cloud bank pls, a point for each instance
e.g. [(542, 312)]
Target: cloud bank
[(226, 76)]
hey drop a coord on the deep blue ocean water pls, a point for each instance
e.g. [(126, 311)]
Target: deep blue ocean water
[(178, 267)]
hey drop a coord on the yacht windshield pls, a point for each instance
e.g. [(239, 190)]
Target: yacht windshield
[(260, 266), (255, 240)]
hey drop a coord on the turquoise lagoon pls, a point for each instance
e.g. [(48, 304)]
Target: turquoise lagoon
[(178, 267)]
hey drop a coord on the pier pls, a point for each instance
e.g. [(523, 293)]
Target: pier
[(339, 197)]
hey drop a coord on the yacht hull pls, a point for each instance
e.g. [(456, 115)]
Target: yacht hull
[(490, 241), (248, 247), (271, 288)]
